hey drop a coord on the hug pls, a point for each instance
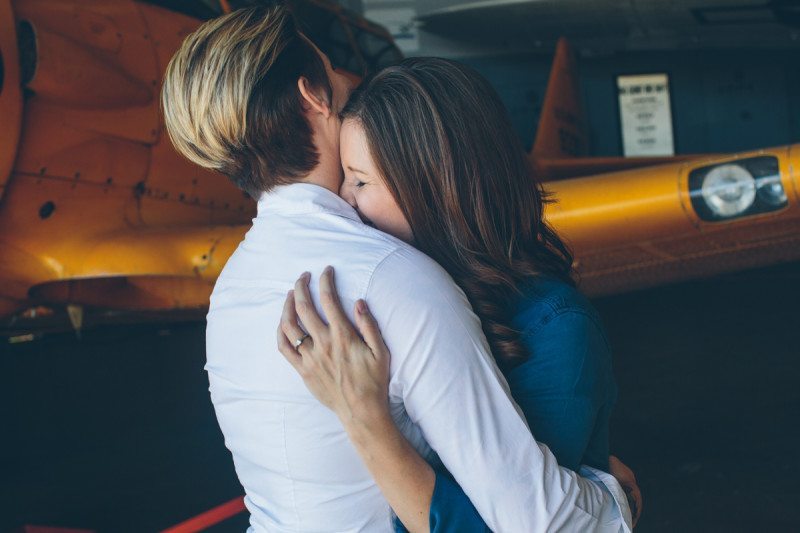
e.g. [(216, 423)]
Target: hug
[(398, 342)]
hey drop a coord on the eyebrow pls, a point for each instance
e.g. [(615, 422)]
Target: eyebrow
[(356, 170)]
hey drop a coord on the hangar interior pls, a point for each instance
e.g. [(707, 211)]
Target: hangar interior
[(112, 429), (725, 60)]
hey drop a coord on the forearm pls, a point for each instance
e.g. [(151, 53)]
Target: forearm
[(405, 478), (453, 391)]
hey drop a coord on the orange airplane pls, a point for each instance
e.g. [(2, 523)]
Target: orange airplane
[(100, 217)]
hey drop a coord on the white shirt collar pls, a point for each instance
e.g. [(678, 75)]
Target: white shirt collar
[(302, 198)]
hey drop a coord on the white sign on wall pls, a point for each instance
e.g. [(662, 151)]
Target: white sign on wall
[(645, 115)]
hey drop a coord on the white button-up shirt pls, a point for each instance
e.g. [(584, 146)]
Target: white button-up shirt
[(292, 455)]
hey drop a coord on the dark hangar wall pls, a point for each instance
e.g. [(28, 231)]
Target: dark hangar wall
[(722, 101)]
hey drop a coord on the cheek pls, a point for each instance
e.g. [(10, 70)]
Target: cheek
[(401, 228), (369, 204), (384, 212)]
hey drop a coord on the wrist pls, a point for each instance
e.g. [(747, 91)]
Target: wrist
[(364, 424)]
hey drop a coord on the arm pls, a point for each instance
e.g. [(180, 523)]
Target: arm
[(566, 391), (407, 481), (561, 390), (358, 396), (444, 374), (566, 388)]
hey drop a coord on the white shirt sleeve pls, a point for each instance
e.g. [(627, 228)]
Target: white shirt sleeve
[(443, 372)]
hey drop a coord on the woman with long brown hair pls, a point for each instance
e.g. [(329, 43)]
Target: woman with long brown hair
[(430, 156)]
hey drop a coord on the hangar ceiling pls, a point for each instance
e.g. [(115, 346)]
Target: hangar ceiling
[(611, 25)]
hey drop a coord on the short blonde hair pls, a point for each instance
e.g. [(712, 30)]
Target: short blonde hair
[(230, 98)]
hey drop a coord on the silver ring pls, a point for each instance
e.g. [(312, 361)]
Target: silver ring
[(299, 341)]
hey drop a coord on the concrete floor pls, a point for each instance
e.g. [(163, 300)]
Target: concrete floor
[(116, 432), (709, 409)]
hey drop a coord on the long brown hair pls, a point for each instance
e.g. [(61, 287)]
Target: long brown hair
[(444, 144)]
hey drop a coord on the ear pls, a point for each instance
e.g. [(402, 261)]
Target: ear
[(314, 101)]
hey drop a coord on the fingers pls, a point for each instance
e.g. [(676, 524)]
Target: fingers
[(636, 494), (627, 479), (304, 307), (288, 351), (329, 298), (287, 329), (369, 330), (290, 331), (289, 325)]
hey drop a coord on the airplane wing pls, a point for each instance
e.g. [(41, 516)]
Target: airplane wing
[(99, 211), (97, 208), (163, 269), (656, 225), (643, 221)]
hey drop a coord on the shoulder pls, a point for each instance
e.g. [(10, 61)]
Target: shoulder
[(407, 263), (408, 275), (564, 336), (413, 297), (548, 302), (278, 247)]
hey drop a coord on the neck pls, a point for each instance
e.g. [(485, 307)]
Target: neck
[(328, 172), (325, 176)]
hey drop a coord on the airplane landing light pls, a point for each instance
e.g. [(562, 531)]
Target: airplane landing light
[(738, 189), (729, 190)]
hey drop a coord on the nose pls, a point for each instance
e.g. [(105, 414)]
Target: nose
[(347, 195)]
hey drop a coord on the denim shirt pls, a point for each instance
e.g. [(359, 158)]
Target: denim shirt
[(565, 388)]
